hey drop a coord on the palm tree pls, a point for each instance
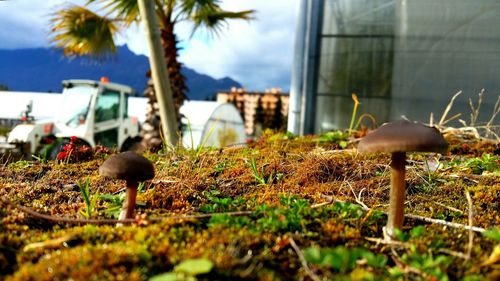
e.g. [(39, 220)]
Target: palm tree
[(81, 32)]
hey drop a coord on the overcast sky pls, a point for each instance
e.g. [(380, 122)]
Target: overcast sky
[(258, 53)]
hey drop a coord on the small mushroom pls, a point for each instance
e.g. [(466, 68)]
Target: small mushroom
[(133, 168), (398, 138)]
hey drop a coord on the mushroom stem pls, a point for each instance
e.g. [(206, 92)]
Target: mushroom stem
[(127, 211), (397, 195)]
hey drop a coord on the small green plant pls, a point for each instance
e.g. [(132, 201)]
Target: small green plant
[(90, 201), (21, 164), (260, 176), (348, 211), (487, 162), (217, 204), (338, 137), (228, 220), (220, 167), (186, 270), (114, 202), (354, 111), (417, 231), (343, 259), (282, 136), (493, 233), (204, 141), (289, 217), (435, 267), (400, 235), (40, 159)]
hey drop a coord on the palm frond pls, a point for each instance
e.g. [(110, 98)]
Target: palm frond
[(215, 19), (79, 32), (125, 10), (192, 7)]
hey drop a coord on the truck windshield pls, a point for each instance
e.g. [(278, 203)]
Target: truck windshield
[(76, 103)]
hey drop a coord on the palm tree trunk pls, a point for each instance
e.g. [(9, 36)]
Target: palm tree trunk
[(151, 129)]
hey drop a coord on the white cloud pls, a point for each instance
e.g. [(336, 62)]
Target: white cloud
[(258, 53), (24, 24)]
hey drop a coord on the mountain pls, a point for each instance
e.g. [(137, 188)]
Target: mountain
[(42, 70)]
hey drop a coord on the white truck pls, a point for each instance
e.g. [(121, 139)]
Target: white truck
[(100, 112), (93, 111)]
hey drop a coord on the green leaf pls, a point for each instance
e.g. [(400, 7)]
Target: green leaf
[(373, 260), (194, 266), (169, 276), (342, 144), (84, 214), (312, 255), (417, 231), (493, 233), (84, 189), (400, 235)]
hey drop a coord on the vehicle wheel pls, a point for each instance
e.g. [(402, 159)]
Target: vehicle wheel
[(54, 149)]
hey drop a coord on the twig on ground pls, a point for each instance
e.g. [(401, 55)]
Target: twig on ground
[(114, 221), (388, 242), (51, 243), (475, 110), (303, 261), (496, 111), (453, 253), (489, 125), (425, 219), (443, 120), (408, 245), (318, 205), (441, 204), (36, 214), (446, 223), (471, 217), (358, 197)]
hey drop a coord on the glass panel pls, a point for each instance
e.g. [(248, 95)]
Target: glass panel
[(443, 47), (356, 65), (334, 112), (406, 57), (125, 110), (355, 17), (108, 138), (357, 52), (76, 103), (108, 106)]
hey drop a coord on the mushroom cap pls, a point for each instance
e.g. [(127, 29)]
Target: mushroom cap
[(403, 136), (128, 166)]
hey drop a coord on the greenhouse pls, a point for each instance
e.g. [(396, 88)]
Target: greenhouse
[(400, 57)]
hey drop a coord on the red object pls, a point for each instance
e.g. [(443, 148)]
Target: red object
[(104, 79), (47, 128)]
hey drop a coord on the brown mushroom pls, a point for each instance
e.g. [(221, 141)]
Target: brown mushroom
[(398, 138), (133, 168)]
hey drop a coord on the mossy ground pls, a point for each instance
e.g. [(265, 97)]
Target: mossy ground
[(283, 197)]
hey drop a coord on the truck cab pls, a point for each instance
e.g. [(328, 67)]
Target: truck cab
[(93, 111), (96, 112)]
